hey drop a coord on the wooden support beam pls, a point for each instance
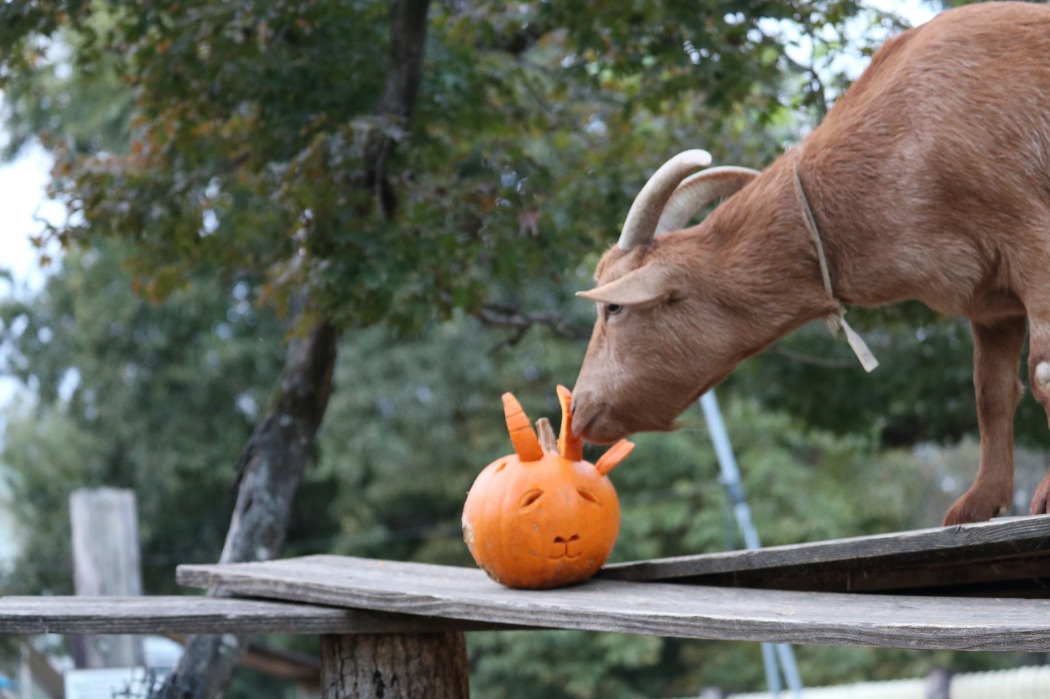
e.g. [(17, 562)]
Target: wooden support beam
[(401, 666)]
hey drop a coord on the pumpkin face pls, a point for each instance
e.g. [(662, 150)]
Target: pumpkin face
[(543, 517)]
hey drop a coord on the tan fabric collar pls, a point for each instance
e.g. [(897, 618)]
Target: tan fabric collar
[(836, 319)]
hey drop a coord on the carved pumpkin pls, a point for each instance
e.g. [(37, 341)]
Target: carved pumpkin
[(543, 517)]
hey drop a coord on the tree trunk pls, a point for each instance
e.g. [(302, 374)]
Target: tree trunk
[(275, 457), (271, 467), (401, 666)]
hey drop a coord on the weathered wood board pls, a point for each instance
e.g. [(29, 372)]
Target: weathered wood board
[(663, 609), (1008, 556), (197, 614)]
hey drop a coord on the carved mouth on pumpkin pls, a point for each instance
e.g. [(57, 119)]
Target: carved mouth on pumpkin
[(563, 551)]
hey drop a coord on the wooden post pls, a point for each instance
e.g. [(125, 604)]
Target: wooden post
[(394, 666), (106, 563)]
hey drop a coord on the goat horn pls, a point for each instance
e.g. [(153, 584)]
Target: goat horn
[(644, 214), (697, 191)]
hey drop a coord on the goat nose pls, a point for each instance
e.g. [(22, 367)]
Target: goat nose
[(580, 410), (586, 411)]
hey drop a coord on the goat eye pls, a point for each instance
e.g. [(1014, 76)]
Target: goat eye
[(613, 308)]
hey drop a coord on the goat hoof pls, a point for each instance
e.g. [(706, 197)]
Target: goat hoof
[(1039, 500), (973, 507)]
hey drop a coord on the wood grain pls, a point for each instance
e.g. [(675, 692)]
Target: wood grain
[(197, 614), (645, 608), (985, 558), (395, 666)]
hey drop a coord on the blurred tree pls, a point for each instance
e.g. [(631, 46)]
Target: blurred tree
[(128, 393), (921, 392)]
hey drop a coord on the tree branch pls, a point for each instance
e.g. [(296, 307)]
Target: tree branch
[(497, 315), (408, 29)]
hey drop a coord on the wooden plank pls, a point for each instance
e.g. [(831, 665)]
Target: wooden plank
[(197, 614), (644, 608), (989, 556)]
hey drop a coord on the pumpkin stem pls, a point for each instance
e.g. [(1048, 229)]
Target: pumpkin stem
[(522, 436), (569, 445), (546, 434), (616, 453)]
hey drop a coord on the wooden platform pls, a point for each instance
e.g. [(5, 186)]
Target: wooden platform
[(368, 612), (199, 614), (806, 593), (686, 611), (1003, 557)]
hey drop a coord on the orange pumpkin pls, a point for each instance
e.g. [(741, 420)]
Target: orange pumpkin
[(543, 517)]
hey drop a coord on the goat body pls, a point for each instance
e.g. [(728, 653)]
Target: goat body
[(929, 179)]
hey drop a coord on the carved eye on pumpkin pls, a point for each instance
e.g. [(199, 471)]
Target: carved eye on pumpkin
[(530, 497), (589, 496)]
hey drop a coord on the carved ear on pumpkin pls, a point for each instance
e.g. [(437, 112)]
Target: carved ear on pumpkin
[(616, 453), (522, 436), (570, 446), (646, 284)]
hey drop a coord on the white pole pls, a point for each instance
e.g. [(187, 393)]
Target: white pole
[(771, 653), (25, 673)]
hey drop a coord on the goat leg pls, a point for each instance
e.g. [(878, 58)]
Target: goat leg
[(997, 353), (1039, 375)]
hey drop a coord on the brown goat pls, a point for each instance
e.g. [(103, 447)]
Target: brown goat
[(928, 180)]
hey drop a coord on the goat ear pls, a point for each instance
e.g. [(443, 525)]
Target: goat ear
[(646, 284)]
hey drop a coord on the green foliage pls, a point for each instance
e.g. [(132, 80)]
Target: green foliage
[(528, 664), (78, 108), (157, 398), (726, 51), (250, 133), (921, 392), (412, 422)]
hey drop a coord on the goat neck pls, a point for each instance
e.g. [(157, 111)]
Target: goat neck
[(761, 245)]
